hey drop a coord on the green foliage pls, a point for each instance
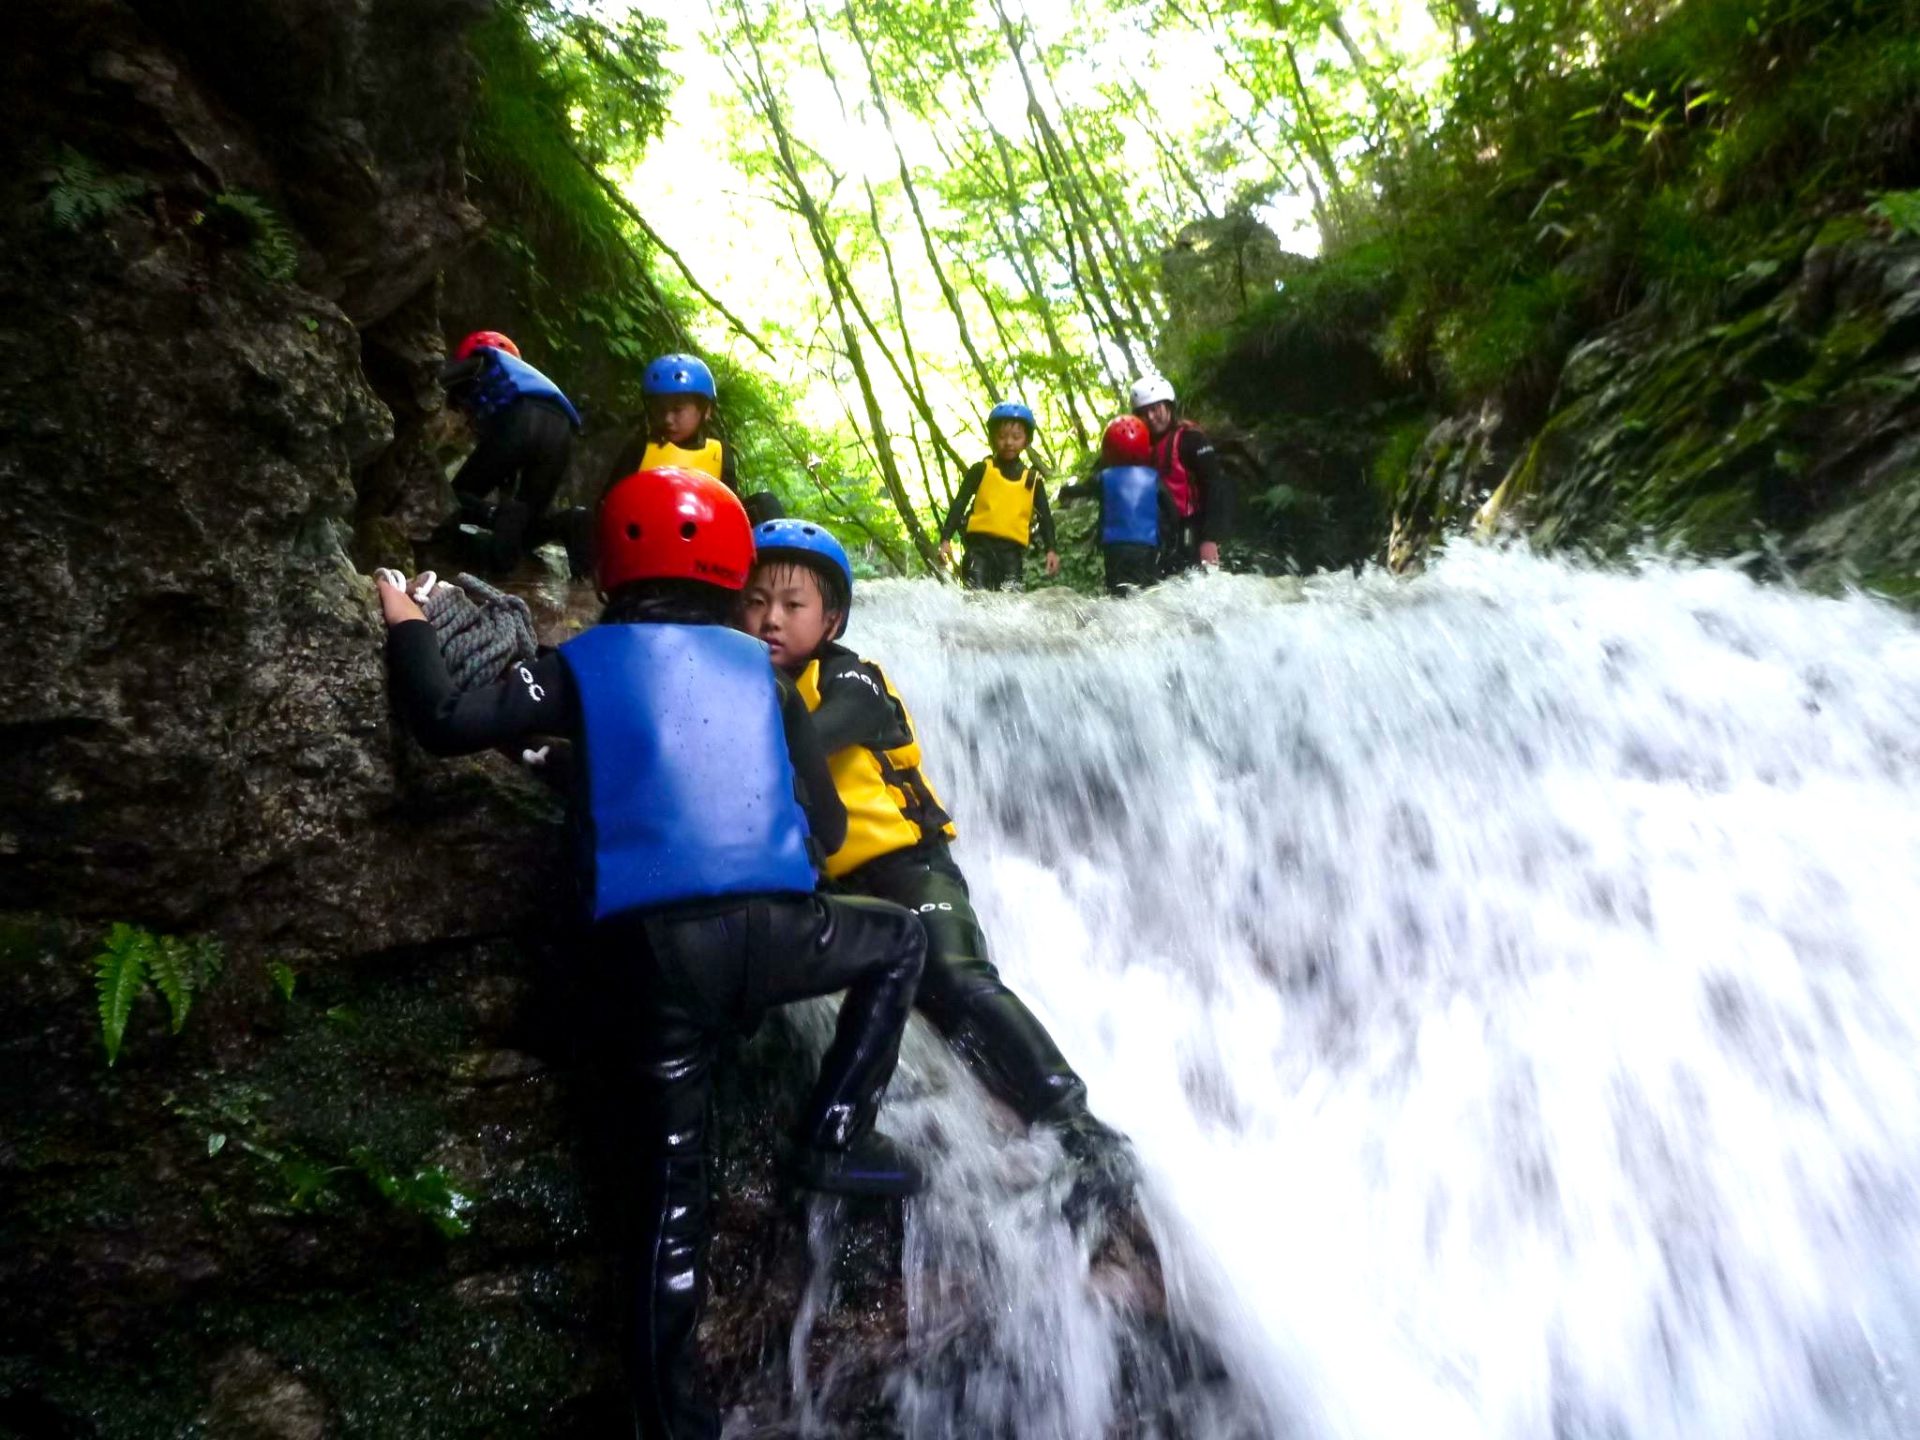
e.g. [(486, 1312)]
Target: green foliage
[(130, 957), (1900, 209), (81, 195), (427, 1192), (305, 1181), (270, 250), (283, 978), (1580, 163)]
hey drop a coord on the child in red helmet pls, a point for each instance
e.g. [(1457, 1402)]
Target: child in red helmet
[(698, 853), (524, 428), (1134, 507)]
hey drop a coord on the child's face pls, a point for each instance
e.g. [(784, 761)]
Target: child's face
[(784, 607), (1009, 439), (678, 417)]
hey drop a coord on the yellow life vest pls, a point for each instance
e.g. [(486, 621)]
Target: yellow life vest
[(1001, 507), (890, 805), (706, 458)]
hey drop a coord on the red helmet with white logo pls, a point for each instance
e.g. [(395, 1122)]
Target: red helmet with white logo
[(1127, 442), (487, 340), (673, 524)]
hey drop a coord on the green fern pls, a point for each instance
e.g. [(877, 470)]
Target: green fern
[(119, 971), (167, 967), (1900, 209), (271, 253), (131, 957), (81, 196)]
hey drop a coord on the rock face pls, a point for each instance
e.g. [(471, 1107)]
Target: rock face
[(230, 216), (204, 741), (1790, 415)]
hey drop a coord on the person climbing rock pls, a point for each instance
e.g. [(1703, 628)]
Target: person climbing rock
[(1000, 502), (524, 428), (701, 781), (896, 848), (1198, 488), (1134, 507)]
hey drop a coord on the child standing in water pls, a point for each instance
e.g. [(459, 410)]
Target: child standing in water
[(694, 849), (1001, 500), (1133, 505), (896, 847)]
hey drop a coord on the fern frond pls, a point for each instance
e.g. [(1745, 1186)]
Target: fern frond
[(170, 964), (119, 970), (209, 959)]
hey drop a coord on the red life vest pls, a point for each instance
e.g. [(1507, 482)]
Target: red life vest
[(1173, 472)]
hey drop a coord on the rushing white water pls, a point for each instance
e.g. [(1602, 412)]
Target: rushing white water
[(1510, 978)]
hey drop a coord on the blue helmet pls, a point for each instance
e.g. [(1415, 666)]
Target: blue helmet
[(678, 375), (1011, 410), (808, 544)]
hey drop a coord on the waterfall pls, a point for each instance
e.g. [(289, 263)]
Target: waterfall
[(1509, 977)]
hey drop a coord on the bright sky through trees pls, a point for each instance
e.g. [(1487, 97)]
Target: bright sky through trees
[(1153, 117)]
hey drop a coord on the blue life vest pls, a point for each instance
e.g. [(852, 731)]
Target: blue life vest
[(1129, 505), (504, 380), (689, 787)]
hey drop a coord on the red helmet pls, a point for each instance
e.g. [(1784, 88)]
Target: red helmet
[(673, 524), (486, 339), (1127, 442)]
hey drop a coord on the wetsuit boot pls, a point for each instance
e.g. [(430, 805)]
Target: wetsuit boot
[(839, 1150), (510, 520)]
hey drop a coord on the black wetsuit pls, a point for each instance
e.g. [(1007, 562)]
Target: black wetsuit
[(1129, 567), (994, 562), (672, 981), (960, 990), (523, 452)]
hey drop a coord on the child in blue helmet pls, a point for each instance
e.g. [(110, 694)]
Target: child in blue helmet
[(680, 396), (524, 428), (1000, 502), (797, 601)]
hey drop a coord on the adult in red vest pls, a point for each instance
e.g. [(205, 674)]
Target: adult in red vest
[(1200, 492)]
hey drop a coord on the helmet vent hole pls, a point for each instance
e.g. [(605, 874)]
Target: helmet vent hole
[(687, 529), (633, 531)]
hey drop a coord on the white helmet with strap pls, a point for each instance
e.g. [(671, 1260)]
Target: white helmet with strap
[(1150, 390)]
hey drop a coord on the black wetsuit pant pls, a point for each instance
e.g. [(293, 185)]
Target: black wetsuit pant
[(961, 993), (523, 453), (995, 564), (681, 979), (1131, 567)]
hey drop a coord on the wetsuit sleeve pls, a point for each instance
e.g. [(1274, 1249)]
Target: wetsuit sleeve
[(1217, 496), (855, 708), (1042, 514), (963, 502), (826, 815), (729, 476), (535, 698), (461, 372)]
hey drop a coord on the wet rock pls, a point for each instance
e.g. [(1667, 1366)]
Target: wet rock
[(256, 1399)]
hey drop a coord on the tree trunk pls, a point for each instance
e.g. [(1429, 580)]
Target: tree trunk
[(759, 92)]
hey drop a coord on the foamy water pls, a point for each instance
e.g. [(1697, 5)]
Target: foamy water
[(1509, 977)]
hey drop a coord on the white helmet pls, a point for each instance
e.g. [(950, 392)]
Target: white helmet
[(1150, 390)]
